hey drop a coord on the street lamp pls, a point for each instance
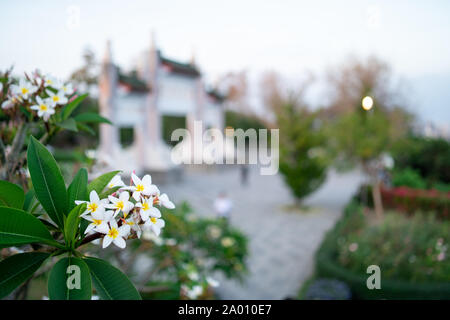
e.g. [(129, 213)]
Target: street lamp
[(367, 103)]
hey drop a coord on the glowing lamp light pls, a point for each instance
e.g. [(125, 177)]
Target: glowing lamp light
[(367, 103)]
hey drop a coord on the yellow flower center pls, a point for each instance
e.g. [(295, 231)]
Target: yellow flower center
[(55, 98), (24, 90), (139, 187), (119, 205), (43, 107), (93, 207), (152, 219), (145, 206), (130, 223), (96, 222), (113, 233)]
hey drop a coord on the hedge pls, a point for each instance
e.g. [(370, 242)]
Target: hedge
[(327, 266), (409, 200)]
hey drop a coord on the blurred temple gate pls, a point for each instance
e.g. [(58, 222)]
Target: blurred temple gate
[(159, 89)]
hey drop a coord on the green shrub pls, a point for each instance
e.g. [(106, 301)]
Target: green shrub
[(408, 177), (411, 253), (303, 161), (429, 156)]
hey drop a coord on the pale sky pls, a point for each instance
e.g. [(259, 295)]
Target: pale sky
[(287, 36)]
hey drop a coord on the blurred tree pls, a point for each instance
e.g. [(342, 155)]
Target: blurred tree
[(363, 136), (303, 156), (87, 73), (303, 160)]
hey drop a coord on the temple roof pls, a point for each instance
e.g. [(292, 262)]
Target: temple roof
[(132, 82), (216, 95), (178, 67)]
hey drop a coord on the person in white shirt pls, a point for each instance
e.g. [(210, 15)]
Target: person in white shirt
[(223, 205)]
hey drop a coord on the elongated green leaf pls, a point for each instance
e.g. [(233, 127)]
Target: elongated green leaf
[(30, 199), (71, 106), (19, 227), (18, 268), (47, 181), (70, 280), (110, 282), (78, 188), (83, 226), (72, 223), (100, 183), (91, 117), (108, 192), (85, 128), (68, 124), (11, 195)]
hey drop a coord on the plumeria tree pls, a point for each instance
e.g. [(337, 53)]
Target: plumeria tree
[(105, 209), (40, 105)]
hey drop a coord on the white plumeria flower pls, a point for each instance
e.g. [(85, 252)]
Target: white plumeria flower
[(116, 235), (44, 108), (155, 224), (58, 98), (193, 275), (24, 89), (116, 182), (212, 282), (67, 89), (192, 293), (120, 204), (99, 221), (50, 81), (133, 223), (147, 209), (163, 200), (144, 186), (93, 204), (7, 104)]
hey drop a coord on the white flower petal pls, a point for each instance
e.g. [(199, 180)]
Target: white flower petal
[(135, 179), (93, 196), (147, 180), (120, 242), (106, 241)]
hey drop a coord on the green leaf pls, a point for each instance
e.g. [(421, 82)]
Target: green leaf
[(110, 282), (11, 195), (78, 188), (19, 227), (100, 183), (91, 117), (83, 127), (29, 200), (70, 283), (47, 181), (68, 124), (71, 106), (72, 223), (17, 269), (83, 226), (108, 192)]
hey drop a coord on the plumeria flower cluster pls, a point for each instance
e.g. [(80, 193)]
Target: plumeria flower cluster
[(127, 212), (195, 284), (40, 94)]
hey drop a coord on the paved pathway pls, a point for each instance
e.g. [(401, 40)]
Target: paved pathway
[(282, 243)]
